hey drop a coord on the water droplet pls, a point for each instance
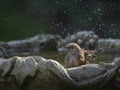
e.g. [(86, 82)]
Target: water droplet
[(6, 19)]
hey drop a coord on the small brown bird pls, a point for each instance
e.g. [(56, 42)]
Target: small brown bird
[(76, 56)]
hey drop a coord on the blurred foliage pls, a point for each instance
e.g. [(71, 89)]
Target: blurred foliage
[(25, 18)]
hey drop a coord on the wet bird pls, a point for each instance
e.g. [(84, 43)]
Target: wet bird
[(76, 56)]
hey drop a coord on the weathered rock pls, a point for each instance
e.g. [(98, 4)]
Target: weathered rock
[(48, 41), (30, 46), (4, 49), (38, 73), (109, 45), (86, 39)]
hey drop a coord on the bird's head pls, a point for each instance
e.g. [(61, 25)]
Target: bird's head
[(90, 53), (73, 47)]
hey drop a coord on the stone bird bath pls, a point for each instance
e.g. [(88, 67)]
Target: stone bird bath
[(38, 73)]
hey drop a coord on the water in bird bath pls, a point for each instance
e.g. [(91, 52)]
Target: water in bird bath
[(59, 56)]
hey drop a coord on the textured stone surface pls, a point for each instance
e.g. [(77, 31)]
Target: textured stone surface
[(86, 39), (109, 45), (4, 49), (38, 73), (30, 46)]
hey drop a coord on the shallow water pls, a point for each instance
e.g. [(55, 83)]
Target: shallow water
[(59, 56)]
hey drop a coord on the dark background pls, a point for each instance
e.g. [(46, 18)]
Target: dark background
[(20, 19)]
